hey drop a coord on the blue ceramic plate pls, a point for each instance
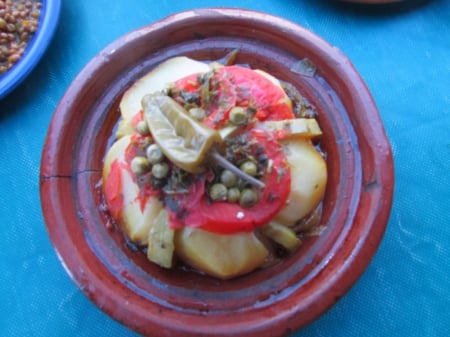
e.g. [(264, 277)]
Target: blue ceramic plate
[(35, 49)]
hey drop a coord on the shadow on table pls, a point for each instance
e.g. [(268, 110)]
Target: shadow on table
[(378, 9)]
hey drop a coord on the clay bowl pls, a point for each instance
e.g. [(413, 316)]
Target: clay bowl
[(268, 302), (36, 47)]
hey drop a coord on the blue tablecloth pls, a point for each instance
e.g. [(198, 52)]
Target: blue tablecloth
[(402, 52)]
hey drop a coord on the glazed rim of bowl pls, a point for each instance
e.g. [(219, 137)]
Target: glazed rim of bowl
[(268, 302)]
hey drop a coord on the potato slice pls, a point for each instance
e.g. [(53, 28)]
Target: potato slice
[(308, 180), (160, 241), (124, 128), (282, 235), (133, 219), (293, 128), (219, 255), (157, 80)]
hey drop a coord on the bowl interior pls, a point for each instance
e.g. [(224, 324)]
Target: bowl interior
[(274, 300)]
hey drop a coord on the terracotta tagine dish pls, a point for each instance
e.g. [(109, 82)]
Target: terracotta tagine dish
[(188, 297)]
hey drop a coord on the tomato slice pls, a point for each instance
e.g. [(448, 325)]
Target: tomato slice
[(113, 189), (231, 86), (195, 209)]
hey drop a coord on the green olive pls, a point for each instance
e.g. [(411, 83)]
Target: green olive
[(248, 198), (218, 192), (154, 154), (234, 194), (142, 128), (197, 113), (228, 178), (160, 170), (250, 168), (140, 165), (238, 116)]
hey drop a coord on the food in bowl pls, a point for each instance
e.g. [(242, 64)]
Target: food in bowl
[(216, 165), (19, 20)]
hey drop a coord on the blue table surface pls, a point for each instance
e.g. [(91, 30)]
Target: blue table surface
[(403, 54)]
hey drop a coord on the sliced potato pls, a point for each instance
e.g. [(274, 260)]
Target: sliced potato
[(125, 128), (293, 128), (160, 241), (157, 80), (116, 151), (282, 235), (308, 180), (134, 219), (219, 255)]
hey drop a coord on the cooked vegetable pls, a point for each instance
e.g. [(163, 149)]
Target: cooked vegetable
[(238, 116), (140, 165), (195, 209), (161, 241), (154, 154), (213, 168), (250, 168), (182, 139), (222, 256), (282, 235), (142, 128), (309, 178), (197, 113), (218, 192), (292, 128), (160, 170), (121, 191), (235, 87), (248, 198), (156, 81), (233, 194), (228, 178)]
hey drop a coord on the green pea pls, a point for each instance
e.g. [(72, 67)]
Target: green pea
[(154, 154), (140, 165), (248, 198), (197, 113), (142, 128), (218, 192), (234, 194), (238, 116), (160, 170), (250, 168), (228, 178)]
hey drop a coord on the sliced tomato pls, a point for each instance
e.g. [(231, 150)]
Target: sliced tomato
[(232, 86), (113, 189), (195, 209)]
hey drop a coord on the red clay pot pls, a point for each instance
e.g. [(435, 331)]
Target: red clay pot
[(269, 302)]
